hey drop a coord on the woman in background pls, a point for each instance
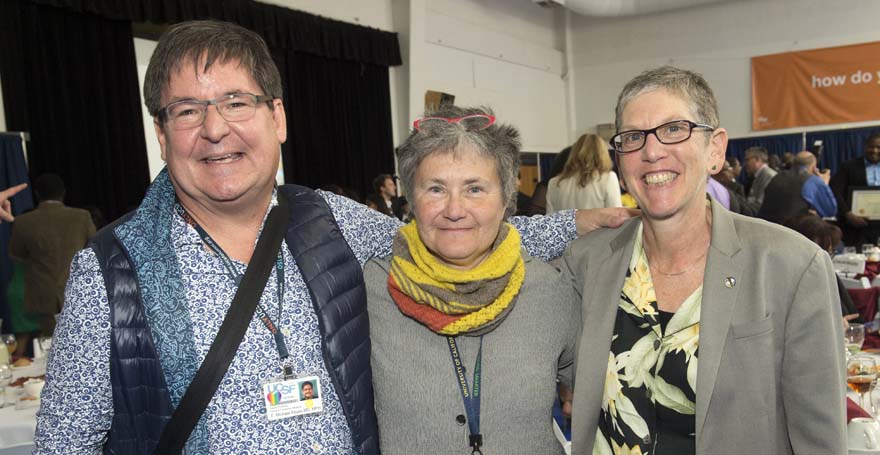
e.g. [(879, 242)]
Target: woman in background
[(587, 181)]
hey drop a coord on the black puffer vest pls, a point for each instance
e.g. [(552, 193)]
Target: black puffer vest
[(141, 402)]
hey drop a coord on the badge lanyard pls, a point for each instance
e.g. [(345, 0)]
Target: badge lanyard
[(236, 277), (470, 397)]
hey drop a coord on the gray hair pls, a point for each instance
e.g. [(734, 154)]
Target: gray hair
[(499, 142), (215, 41), (690, 86)]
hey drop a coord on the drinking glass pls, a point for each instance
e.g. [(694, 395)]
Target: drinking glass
[(849, 250), (10, 341), (861, 371), (867, 248), (854, 337), (5, 379)]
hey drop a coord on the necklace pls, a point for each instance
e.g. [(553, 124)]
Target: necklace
[(689, 268)]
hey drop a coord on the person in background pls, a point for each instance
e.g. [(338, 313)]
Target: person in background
[(385, 192), (711, 332), (146, 300), (859, 172), (459, 297), (5, 205), (787, 161), (757, 168), (775, 163), (586, 181), (45, 240)]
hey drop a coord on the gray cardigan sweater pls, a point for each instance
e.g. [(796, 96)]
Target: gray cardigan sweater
[(417, 396)]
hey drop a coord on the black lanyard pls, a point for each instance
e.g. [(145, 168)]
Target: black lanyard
[(470, 397), (236, 276)]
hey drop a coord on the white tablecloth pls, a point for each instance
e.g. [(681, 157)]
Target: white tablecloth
[(17, 426)]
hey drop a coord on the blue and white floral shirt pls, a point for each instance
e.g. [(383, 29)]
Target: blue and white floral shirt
[(77, 406)]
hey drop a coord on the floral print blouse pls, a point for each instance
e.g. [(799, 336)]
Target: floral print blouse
[(651, 379)]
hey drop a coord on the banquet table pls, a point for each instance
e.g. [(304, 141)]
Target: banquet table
[(17, 424)]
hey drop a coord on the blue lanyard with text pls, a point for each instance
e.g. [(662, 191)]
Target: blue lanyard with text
[(280, 345), (470, 397)]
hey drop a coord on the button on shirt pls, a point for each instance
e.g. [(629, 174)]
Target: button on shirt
[(77, 406)]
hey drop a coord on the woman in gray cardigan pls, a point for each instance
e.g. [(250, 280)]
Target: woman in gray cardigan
[(469, 334)]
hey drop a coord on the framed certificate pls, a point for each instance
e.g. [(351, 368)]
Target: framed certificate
[(866, 203)]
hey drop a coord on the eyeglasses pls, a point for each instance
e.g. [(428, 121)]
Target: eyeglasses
[(235, 107), (668, 133), (475, 122)]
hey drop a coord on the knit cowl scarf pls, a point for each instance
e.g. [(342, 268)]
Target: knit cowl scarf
[(451, 301)]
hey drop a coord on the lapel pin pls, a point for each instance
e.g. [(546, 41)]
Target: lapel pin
[(730, 282)]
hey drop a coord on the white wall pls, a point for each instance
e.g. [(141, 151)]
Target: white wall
[(501, 53), (715, 40)]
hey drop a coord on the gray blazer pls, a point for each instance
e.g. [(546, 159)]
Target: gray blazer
[(770, 377)]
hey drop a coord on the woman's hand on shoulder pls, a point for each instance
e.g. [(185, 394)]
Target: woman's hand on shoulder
[(592, 219)]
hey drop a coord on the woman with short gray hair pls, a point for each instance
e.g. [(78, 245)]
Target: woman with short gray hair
[(469, 333)]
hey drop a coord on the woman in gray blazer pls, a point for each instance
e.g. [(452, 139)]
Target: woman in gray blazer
[(704, 331)]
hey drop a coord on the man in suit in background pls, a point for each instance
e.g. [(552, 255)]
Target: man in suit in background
[(45, 240), (798, 191), (859, 172), (756, 166)]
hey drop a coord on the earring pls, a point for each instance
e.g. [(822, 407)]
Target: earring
[(714, 167)]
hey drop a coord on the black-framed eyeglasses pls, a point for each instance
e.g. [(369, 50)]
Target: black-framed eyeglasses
[(473, 122), (668, 133), (235, 107)]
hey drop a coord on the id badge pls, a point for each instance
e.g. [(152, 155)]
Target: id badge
[(289, 397)]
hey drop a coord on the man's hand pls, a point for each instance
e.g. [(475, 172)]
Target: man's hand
[(856, 220), (825, 175), (5, 205), (590, 220), (847, 318)]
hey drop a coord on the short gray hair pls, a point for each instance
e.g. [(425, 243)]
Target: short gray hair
[(499, 142), (690, 86), (216, 41)]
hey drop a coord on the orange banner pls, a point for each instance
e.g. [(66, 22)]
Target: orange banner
[(816, 87)]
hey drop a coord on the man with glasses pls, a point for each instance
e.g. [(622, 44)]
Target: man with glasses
[(146, 300)]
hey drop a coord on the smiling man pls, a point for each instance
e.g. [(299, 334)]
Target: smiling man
[(146, 301)]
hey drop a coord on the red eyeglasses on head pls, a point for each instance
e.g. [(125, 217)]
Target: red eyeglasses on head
[(474, 122)]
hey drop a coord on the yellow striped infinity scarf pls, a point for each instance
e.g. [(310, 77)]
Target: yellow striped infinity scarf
[(451, 301)]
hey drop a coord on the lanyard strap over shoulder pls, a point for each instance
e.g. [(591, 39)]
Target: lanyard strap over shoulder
[(232, 330)]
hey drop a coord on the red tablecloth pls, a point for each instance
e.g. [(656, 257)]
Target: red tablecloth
[(853, 410), (872, 269), (865, 301)]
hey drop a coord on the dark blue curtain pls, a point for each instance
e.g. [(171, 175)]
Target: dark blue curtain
[(13, 171), (841, 145), (775, 145)]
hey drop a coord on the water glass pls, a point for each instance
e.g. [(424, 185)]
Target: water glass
[(5, 379), (854, 337), (849, 250)]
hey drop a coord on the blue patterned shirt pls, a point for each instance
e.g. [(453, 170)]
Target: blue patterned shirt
[(77, 406)]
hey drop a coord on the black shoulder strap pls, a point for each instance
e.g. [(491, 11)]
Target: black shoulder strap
[(212, 370)]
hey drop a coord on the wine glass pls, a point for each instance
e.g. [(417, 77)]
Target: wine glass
[(10, 341), (854, 337), (861, 371)]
